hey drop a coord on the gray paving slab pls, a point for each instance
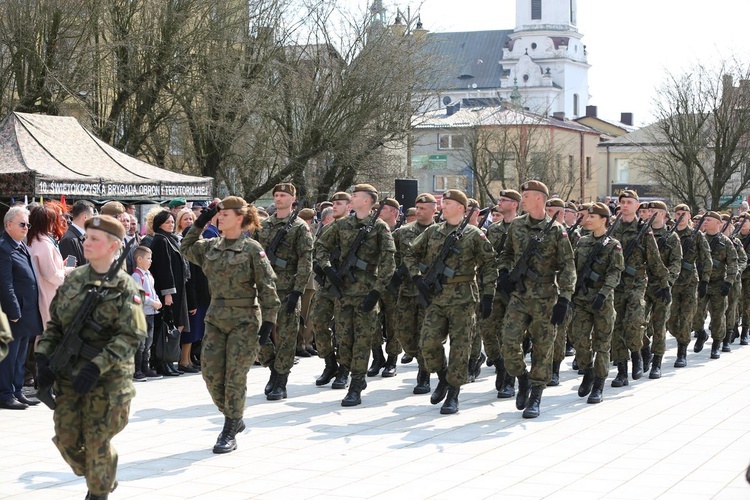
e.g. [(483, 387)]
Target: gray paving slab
[(684, 436)]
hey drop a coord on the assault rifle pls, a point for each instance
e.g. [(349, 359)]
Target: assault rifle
[(689, 242), (737, 229), (575, 226), (438, 269), (521, 270), (588, 275), (485, 213), (664, 238), (632, 244), (400, 221), (399, 276), (72, 345), (278, 239), (350, 262)]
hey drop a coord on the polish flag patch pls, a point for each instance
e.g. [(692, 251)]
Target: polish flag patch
[(262, 253), (137, 299)]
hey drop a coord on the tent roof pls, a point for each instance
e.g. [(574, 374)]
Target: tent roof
[(54, 155)]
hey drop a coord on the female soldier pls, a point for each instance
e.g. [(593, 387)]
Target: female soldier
[(239, 276), (93, 397)]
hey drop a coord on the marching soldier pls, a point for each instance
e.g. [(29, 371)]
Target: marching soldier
[(292, 263), (744, 236), (409, 313), (93, 397), (691, 283), (558, 206), (598, 266), (451, 310), (723, 274), (539, 299), (733, 299), (356, 312), (629, 295)]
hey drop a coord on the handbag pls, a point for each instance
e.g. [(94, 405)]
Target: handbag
[(168, 343)]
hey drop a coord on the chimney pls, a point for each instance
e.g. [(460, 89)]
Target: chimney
[(626, 118), (591, 111), (452, 108), (559, 115)]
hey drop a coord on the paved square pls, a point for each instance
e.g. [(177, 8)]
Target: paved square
[(684, 436)]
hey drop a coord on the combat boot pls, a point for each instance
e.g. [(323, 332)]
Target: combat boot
[(451, 401), (655, 367), (555, 380), (622, 375), (509, 387), (646, 355), (478, 365), (532, 405), (226, 441), (574, 365), (378, 361), (500, 373), (271, 380), (716, 349), (681, 361), (341, 378), (91, 496), (735, 332), (637, 360), (588, 381), (569, 350), (744, 336), (423, 382), (279, 388), (596, 391), (725, 345), (329, 372), (524, 386), (442, 388), (702, 338), (352, 397), (389, 368)]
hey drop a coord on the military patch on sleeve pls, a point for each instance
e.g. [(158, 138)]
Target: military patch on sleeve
[(482, 235), (619, 247), (564, 234), (137, 299), (262, 253), (307, 228)]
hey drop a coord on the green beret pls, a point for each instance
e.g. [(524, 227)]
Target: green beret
[(555, 203), (714, 215), (113, 208), (425, 198), (177, 202), (457, 196), (307, 214), (106, 223), (571, 206), (366, 188), (682, 208), (658, 205), (412, 212), (285, 187), (725, 217), (232, 202), (511, 194), (584, 207), (599, 208), (341, 196), (535, 186), (472, 203), (628, 193), (392, 203)]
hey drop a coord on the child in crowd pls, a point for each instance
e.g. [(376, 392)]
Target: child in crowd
[(144, 279)]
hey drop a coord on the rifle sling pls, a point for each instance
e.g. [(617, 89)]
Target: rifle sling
[(456, 279), (88, 352)]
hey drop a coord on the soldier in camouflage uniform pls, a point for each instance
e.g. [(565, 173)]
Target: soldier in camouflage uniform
[(491, 328), (356, 312), (239, 275), (629, 295), (744, 236), (323, 306), (552, 207), (696, 259), (657, 308), (477, 356), (293, 266), (93, 396), (733, 299), (451, 311), (5, 335), (539, 301), (409, 314), (597, 276), (723, 274)]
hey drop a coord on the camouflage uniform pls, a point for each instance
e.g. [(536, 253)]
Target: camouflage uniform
[(532, 309), (724, 269), (354, 327), (745, 297), (239, 276), (696, 258), (296, 250), (322, 310), (85, 423), (657, 311), (452, 311), (629, 295), (736, 292), (5, 335), (491, 329), (590, 329), (563, 331)]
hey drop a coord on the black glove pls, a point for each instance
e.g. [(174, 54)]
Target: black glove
[(370, 300), (485, 306), (206, 215), (264, 333), (86, 378), (333, 277), (291, 300), (725, 287), (559, 310), (44, 376), (503, 282), (702, 289), (598, 302), (664, 294), (419, 282)]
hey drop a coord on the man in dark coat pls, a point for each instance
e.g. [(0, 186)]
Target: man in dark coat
[(19, 298), (72, 241)]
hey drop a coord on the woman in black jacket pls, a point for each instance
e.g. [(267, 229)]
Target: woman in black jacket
[(169, 271)]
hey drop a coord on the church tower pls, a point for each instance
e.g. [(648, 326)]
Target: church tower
[(544, 59)]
